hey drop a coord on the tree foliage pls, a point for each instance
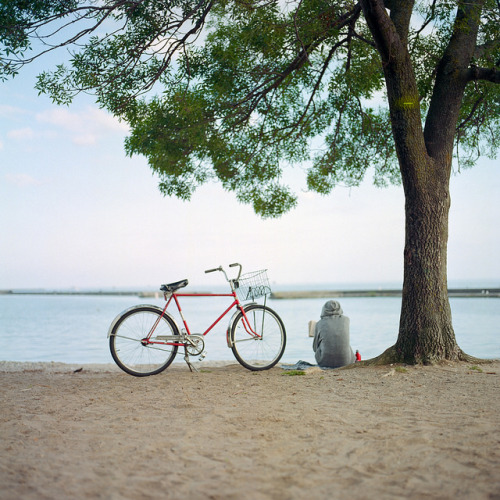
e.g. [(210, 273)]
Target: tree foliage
[(237, 90)]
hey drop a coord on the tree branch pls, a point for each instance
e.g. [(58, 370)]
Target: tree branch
[(122, 10), (386, 38), (489, 46), (487, 74), (270, 84), (430, 17), (468, 118), (451, 78), (401, 16)]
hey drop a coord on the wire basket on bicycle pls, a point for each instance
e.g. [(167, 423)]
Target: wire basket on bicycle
[(251, 286)]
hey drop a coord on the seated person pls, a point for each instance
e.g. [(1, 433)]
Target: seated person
[(331, 342)]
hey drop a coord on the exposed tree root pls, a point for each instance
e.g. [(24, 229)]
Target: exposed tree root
[(388, 357), (391, 356)]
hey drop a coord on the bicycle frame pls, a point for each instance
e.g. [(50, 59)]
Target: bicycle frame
[(144, 339), (175, 296)]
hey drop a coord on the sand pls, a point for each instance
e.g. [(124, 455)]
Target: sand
[(228, 433)]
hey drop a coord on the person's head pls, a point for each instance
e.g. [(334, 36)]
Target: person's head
[(331, 308)]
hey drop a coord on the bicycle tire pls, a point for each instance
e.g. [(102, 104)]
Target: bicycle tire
[(127, 348), (264, 350)]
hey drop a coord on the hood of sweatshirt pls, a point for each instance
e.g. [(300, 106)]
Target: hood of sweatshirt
[(331, 308)]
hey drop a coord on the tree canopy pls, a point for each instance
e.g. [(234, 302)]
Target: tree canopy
[(237, 90)]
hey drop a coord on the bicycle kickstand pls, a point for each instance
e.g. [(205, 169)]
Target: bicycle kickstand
[(191, 367)]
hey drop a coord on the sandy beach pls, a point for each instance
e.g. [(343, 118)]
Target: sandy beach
[(228, 433)]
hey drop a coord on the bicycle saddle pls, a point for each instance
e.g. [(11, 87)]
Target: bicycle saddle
[(172, 287)]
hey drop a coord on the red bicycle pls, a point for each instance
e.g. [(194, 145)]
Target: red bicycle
[(144, 339)]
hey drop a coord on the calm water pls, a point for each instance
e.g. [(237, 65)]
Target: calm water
[(73, 329)]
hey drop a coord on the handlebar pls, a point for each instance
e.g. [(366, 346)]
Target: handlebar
[(213, 270), (239, 272), (222, 270)]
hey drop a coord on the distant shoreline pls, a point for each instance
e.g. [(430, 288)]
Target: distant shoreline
[(280, 295), (318, 294)]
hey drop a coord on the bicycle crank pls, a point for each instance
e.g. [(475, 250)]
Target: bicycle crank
[(195, 344)]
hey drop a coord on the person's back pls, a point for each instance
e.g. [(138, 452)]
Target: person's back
[(331, 342)]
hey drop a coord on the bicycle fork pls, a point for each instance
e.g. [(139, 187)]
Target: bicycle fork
[(247, 325)]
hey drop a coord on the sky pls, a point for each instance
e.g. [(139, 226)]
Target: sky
[(76, 212)]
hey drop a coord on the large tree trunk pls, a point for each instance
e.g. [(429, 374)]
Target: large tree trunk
[(425, 333)]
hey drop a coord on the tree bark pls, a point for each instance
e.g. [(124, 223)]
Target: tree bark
[(425, 332)]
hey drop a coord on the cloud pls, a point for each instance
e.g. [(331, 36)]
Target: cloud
[(85, 127), (28, 134), (105, 120), (21, 134), (85, 139), (21, 180), (6, 110)]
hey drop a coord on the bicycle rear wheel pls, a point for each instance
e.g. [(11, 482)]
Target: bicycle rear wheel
[(129, 348), (263, 349)]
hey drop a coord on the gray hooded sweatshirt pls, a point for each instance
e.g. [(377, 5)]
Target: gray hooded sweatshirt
[(331, 342)]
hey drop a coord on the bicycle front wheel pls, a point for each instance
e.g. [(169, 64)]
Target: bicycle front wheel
[(128, 345), (258, 338)]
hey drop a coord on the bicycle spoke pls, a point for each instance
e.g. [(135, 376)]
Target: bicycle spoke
[(268, 336), (129, 349)]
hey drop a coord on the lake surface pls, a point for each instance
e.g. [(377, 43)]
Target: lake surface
[(73, 328)]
